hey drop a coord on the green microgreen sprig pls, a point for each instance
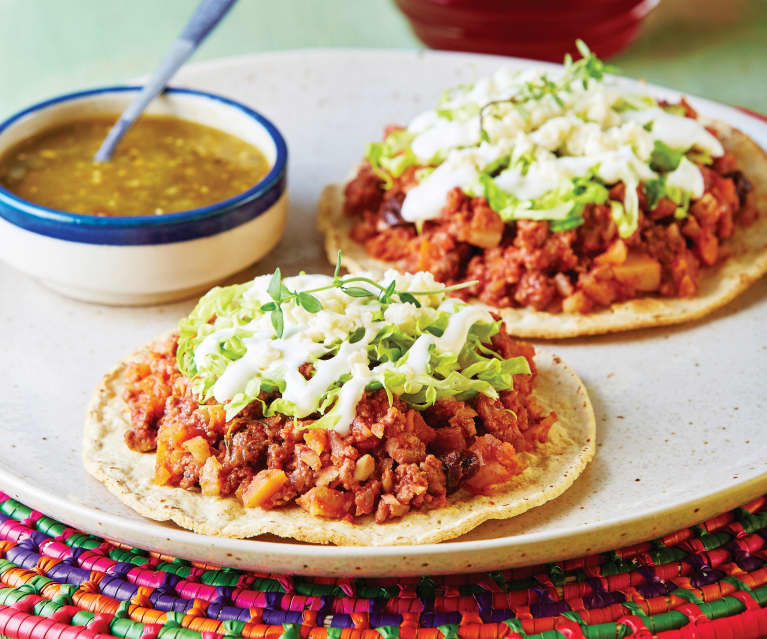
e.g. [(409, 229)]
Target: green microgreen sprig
[(589, 67), (281, 294)]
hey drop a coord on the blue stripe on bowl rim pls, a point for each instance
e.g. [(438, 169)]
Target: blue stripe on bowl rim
[(149, 229)]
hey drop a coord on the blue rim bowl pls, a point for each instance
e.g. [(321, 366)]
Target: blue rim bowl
[(149, 229)]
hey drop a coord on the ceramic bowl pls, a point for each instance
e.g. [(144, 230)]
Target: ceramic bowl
[(526, 28), (152, 258)]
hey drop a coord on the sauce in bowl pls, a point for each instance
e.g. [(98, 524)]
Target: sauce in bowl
[(163, 165)]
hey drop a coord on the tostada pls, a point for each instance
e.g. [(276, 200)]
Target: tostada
[(347, 410), (578, 204)]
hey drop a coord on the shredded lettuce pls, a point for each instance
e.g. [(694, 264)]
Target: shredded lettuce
[(449, 94), (461, 113), (654, 190), (633, 102), (664, 158), (495, 167), (699, 157), (230, 313), (393, 156), (502, 202), (675, 109), (194, 328), (625, 219), (561, 207), (459, 375), (657, 189), (422, 173)]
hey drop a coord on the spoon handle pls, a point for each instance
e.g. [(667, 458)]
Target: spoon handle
[(207, 15)]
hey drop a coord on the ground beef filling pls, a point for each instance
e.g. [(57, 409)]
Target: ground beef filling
[(524, 264), (394, 458)]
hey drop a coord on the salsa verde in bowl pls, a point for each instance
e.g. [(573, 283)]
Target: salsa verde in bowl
[(124, 256), (163, 165)]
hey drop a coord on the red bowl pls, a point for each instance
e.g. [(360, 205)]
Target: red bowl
[(541, 29)]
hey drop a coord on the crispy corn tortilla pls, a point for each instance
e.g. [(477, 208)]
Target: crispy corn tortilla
[(552, 469), (718, 284)]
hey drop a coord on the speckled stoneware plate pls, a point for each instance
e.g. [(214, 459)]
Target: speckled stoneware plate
[(680, 411)]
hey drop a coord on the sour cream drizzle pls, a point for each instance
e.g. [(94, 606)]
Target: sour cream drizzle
[(593, 126), (311, 337), (451, 341)]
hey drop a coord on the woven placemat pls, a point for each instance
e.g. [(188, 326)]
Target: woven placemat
[(702, 582)]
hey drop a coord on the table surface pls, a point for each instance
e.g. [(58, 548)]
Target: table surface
[(706, 47)]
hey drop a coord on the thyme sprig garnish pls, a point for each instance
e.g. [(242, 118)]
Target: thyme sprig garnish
[(281, 294)]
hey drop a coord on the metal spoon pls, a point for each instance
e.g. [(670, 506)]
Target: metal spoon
[(207, 15)]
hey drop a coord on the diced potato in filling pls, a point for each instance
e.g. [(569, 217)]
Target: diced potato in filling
[(210, 477), (263, 487), (640, 272), (198, 447)]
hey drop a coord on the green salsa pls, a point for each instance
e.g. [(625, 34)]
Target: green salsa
[(163, 165)]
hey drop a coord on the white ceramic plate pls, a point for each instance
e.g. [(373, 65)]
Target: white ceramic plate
[(680, 411)]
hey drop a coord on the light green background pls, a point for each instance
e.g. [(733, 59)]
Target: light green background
[(714, 48)]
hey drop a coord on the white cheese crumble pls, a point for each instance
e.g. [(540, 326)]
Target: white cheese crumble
[(601, 124)]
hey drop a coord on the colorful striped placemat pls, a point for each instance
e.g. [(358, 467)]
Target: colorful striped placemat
[(706, 581)]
